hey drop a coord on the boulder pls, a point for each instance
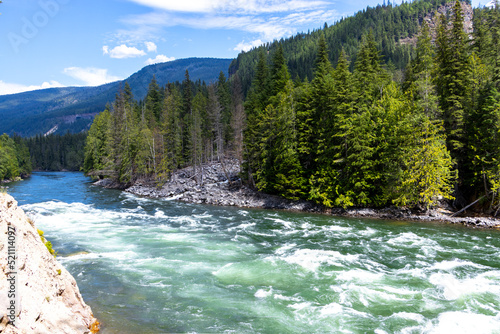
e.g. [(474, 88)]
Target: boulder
[(49, 300)]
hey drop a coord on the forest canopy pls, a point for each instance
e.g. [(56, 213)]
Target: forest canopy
[(347, 133), (14, 158)]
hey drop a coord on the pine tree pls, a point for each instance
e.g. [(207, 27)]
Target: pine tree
[(316, 120), (369, 76), (256, 103), (120, 134), (153, 104), (452, 79), (331, 177), (215, 114), (195, 135), (238, 118), (280, 171), (172, 132), (224, 97), (422, 68), (187, 95), (97, 151), (279, 72), (427, 173), (9, 165)]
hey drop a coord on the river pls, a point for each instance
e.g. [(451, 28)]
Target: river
[(158, 266)]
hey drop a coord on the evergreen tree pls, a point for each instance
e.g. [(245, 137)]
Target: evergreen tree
[(259, 94), (280, 171), (23, 157), (224, 99), (316, 120), (452, 79), (279, 72), (215, 114), (97, 150), (422, 69), (427, 173), (238, 118), (331, 175), (186, 113), (254, 106), (195, 135), (9, 165), (153, 103), (172, 131)]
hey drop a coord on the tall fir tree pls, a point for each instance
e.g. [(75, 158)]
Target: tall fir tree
[(172, 131), (452, 79), (317, 115), (422, 68), (279, 72), (257, 101), (331, 174), (280, 171), (369, 76), (238, 118)]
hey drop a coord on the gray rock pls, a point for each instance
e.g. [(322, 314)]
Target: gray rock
[(49, 299)]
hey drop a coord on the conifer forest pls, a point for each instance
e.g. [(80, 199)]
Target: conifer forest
[(333, 116)]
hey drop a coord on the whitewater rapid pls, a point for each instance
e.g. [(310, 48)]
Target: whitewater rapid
[(153, 266)]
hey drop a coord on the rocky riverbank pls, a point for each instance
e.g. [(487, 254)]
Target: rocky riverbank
[(49, 300), (220, 185)]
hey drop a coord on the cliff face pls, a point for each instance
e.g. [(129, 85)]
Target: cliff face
[(48, 298), (432, 20)]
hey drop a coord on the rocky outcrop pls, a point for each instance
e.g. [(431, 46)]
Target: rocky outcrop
[(432, 20), (48, 298), (220, 185)]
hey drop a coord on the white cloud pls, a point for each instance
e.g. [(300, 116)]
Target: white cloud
[(123, 51), (91, 76), (151, 47), (13, 88), (238, 6), (267, 27), (159, 59), (242, 46)]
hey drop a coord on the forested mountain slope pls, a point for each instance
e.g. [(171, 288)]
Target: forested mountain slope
[(394, 28), (73, 108), (353, 135)]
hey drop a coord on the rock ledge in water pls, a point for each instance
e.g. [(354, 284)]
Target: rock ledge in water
[(49, 299), (221, 186)]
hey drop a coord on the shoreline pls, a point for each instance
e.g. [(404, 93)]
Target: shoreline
[(217, 190)]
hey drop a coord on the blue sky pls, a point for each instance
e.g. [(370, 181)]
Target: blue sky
[(56, 43)]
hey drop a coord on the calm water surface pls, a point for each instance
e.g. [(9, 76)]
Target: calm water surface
[(159, 266)]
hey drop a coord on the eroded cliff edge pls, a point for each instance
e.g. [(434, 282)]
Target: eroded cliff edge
[(49, 298)]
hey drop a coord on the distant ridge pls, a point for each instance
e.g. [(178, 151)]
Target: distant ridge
[(73, 108)]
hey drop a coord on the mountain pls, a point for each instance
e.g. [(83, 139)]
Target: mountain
[(73, 108), (393, 28)]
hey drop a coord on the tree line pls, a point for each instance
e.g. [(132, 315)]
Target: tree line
[(359, 138), (181, 124), (392, 27), (14, 158), (353, 135), (57, 152)]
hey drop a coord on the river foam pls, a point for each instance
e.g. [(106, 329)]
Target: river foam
[(148, 265)]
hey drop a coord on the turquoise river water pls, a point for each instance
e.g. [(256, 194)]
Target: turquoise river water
[(159, 266)]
